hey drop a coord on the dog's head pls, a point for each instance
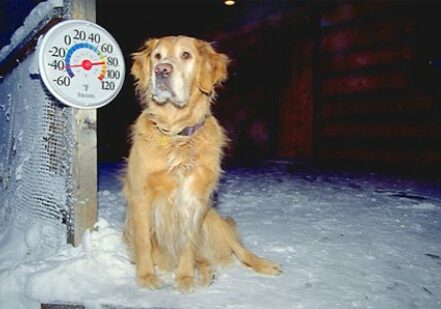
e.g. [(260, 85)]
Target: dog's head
[(172, 69)]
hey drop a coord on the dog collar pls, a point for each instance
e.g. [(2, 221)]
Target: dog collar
[(189, 131), (186, 132)]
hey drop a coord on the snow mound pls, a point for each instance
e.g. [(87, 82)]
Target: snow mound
[(343, 241), (420, 206), (86, 273)]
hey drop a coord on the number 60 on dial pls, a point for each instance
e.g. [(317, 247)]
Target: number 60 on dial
[(81, 64)]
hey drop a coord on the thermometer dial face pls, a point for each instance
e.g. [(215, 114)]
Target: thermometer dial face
[(81, 64)]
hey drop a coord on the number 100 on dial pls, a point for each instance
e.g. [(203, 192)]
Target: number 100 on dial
[(81, 64)]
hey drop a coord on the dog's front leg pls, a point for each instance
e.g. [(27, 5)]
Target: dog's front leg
[(185, 281), (194, 195), (145, 268)]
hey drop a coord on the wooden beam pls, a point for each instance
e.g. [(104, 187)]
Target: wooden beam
[(381, 131), (79, 306), (85, 151), (365, 59), (353, 37), (364, 83), (422, 161), (296, 114), (350, 11), (84, 9), (386, 106)]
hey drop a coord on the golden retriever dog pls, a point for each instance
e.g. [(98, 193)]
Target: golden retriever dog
[(174, 166)]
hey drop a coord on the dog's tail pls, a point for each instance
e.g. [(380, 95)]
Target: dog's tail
[(246, 257)]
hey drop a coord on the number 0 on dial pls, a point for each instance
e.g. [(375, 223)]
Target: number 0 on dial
[(81, 64)]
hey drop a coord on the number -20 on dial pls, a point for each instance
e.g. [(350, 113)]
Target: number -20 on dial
[(81, 64)]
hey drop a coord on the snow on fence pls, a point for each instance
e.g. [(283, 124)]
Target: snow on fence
[(47, 150)]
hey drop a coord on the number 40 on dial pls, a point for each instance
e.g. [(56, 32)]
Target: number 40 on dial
[(81, 64)]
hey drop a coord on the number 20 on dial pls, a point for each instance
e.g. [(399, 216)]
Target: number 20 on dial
[(81, 64)]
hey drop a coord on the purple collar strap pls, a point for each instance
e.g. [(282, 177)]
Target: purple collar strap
[(189, 131)]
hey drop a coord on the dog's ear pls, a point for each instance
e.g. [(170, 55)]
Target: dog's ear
[(213, 69), (141, 63)]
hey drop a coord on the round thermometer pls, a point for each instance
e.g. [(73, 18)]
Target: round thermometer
[(81, 64)]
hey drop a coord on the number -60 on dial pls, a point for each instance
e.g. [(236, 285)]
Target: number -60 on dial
[(81, 64)]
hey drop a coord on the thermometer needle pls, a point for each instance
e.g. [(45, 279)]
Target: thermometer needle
[(86, 64)]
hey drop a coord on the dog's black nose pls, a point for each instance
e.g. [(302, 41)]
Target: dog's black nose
[(163, 70)]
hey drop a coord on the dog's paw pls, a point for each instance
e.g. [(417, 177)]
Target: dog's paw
[(185, 284), (206, 278), (267, 267), (150, 281), (206, 275)]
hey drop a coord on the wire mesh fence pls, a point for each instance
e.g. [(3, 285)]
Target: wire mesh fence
[(39, 141)]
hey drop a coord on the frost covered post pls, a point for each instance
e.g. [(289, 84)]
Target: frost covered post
[(48, 151), (85, 151)]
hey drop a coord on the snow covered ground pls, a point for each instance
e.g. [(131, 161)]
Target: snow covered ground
[(345, 240)]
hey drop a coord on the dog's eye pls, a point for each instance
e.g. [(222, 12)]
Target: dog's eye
[(186, 55), (158, 56)]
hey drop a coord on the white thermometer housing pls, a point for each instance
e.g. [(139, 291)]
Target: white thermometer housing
[(81, 64)]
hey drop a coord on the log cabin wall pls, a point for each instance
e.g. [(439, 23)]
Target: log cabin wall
[(266, 104), (332, 81), (376, 85), (337, 82)]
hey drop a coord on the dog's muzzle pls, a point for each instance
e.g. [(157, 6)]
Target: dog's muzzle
[(163, 71), (168, 86)]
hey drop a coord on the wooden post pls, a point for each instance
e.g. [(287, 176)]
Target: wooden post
[(85, 151), (296, 138)]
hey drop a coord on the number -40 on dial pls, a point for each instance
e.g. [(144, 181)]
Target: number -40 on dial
[(81, 64)]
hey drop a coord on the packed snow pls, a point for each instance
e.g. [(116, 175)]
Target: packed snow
[(345, 240)]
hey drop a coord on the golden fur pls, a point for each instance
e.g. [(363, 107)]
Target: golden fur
[(171, 176)]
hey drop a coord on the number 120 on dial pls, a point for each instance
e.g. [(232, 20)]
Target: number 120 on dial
[(81, 64)]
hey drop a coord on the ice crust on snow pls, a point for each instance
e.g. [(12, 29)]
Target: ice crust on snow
[(344, 240), (37, 15)]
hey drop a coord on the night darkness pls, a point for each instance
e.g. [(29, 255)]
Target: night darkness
[(333, 82), (347, 83), (132, 22)]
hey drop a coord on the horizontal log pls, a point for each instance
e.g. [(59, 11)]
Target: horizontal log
[(28, 45), (364, 59), (352, 10), (370, 35), (295, 15), (378, 106), (403, 144), (383, 131), (363, 83), (403, 118)]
